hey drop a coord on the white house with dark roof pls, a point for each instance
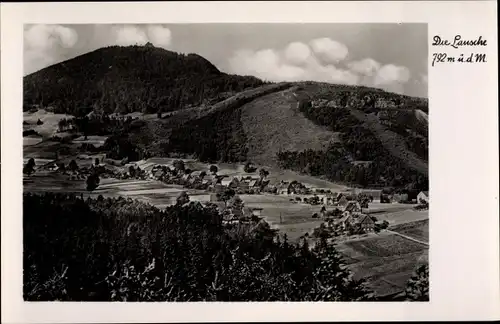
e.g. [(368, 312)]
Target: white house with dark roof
[(423, 196)]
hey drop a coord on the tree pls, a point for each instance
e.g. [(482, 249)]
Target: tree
[(183, 198), (225, 195), (92, 182), (31, 163), (62, 167), (236, 203), (249, 168), (179, 165), (417, 287), (73, 166), (214, 169), (333, 281), (28, 170), (263, 173)]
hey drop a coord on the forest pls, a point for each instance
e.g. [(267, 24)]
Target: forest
[(120, 249), (377, 167), (130, 79)]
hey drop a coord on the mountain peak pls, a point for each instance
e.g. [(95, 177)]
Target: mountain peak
[(129, 79)]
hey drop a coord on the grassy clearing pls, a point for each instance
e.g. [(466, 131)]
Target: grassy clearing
[(293, 219), (50, 122), (263, 120), (97, 141), (31, 140)]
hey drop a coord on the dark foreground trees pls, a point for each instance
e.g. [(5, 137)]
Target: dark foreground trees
[(417, 288), (124, 250)]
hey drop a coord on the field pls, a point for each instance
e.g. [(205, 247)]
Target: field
[(50, 122), (154, 192), (418, 230), (293, 219), (387, 261), (407, 215), (97, 141)]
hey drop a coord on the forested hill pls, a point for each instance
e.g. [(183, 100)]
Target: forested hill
[(129, 79)]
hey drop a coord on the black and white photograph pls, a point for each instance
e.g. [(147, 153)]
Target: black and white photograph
[(225, 162)]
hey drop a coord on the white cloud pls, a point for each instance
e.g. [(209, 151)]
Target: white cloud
[(46, 37), (125, 35), (43, 45), (159, 35), (49, 44), (329, 51), (299, 62), (129, 35), (297, 53), (390, 73), (366, 67)]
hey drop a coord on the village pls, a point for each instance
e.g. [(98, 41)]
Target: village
[(343, 213)]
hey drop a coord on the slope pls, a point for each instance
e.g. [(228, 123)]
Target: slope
[(273, 123), (130, 79)]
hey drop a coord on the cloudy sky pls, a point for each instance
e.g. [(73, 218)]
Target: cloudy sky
[(388, 56)]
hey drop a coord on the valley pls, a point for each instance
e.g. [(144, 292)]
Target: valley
[(296, 154)]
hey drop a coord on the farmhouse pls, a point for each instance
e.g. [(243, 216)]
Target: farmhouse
[(352, 207), (365, 223), (423, 197), (357, 221), (231, 183), (283, 188), (342, 200)]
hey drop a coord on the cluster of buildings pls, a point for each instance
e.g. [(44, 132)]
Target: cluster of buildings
[(353, 219)]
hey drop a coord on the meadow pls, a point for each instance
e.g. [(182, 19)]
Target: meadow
[(386, 261)]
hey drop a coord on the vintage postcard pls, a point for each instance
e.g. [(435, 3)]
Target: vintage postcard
[(280, 164)]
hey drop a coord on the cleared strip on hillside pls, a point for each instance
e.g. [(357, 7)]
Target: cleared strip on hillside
[(273, 122), (392, 142)]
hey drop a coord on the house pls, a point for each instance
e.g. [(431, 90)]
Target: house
[(217, 179), (283, 188), (158, 173), (423, 197), (244, 184), (365, 223), (195, 174), (353, 207), (253, 183), (52, 167), (231, 183), (264, 184), (345, 220), (342, 200)]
